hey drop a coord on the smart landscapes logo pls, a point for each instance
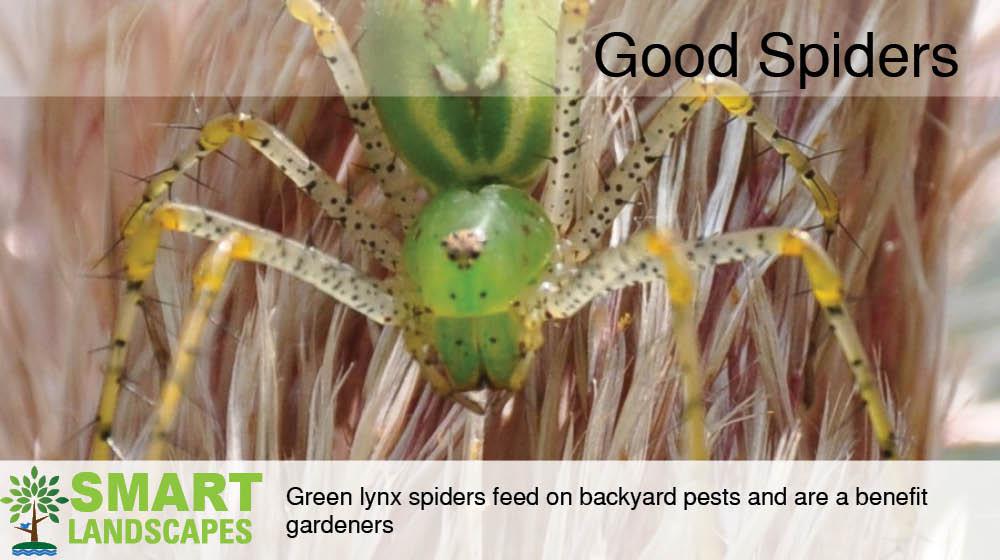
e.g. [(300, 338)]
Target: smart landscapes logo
[(130, 508), (40, 497)]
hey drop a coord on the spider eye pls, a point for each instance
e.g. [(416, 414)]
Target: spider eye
[(464, 246)]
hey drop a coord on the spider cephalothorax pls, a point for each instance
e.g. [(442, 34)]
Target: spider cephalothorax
[(477, 100), (459, 257)]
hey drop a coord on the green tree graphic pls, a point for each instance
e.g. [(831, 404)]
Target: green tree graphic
[(37, 495)]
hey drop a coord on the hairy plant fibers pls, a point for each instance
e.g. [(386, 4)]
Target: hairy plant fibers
[(289, 373)]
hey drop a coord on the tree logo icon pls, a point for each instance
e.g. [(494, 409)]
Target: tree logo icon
[(39, 497)]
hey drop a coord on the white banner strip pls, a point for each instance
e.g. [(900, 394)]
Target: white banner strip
[(360, 510)]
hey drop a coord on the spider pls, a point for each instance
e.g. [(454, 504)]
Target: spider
[(482, 265)]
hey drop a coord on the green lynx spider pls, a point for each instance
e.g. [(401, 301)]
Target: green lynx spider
[(481, 267)]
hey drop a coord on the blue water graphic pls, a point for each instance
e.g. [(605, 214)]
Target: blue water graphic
[(34, 552)]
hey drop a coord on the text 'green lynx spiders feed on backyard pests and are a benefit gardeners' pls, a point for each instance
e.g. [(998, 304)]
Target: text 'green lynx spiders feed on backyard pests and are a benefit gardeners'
[(478, 115)]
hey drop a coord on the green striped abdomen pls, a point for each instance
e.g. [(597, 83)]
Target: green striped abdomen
[(461, 87), (468, 142)]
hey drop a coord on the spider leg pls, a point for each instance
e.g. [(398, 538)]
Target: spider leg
[(281, 151), (634, 262), (646, 256), (626, 179), (246, 242), (827, 288), (209, 277), (336, 49), (563, 175)]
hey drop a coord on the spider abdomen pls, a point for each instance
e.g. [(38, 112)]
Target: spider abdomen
[(463, 89), (468, 142)]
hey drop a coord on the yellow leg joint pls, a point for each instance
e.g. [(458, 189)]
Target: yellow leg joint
[(678, 271), (729, 94), (243, 247), (306, 11), (578, 10), (168, 217), (826, 282), (217, 131)]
